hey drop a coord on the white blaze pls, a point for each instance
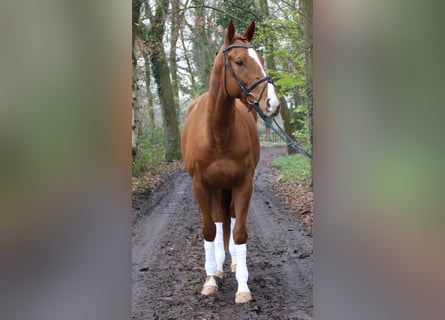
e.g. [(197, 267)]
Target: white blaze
[(273, 99), (254, 56), (271, 96)]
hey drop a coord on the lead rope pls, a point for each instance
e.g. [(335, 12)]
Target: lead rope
[(281, 133)]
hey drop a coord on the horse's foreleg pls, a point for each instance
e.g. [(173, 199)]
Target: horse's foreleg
[(204, 199), (242, 275), (210, 285)]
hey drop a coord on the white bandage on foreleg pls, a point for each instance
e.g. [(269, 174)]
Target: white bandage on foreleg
[(242, 275), (220, 254), (232, 249), (210, 263), (241, 266)]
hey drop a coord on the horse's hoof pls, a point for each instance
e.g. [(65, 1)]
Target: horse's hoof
[(243, 297), (210, 287), (208, 290), (219, 274), (233, 267)]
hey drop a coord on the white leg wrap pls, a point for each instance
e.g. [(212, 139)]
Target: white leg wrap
[(220, 254), (210, 264), (242, 275), (232, 249)]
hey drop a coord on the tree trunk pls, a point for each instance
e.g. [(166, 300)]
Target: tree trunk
[(136, 9), (271, 67), (174, 34), (308, 36), (135, 13), (287, 121), (159, 67), (202, 57), (137, 128), (150, 108)]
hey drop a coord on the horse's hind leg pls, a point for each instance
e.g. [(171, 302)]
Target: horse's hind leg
[(221, 207), (232, 249), (220, 253)]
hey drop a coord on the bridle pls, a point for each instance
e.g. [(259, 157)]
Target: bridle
[(246, 90), (255, 103)]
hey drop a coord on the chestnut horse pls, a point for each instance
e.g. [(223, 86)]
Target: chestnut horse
[(220, 148)]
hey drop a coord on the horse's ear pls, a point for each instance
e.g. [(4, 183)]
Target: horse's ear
[(230, 33), (250, 31)]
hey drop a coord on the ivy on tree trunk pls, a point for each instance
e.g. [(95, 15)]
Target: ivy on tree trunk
[(161, 74)]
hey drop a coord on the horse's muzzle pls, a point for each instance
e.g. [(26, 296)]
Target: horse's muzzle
[(271, 111)]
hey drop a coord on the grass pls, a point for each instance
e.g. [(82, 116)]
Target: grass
[(295, 167)]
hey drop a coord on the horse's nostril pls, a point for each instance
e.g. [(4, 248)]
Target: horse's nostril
[(268, 104)]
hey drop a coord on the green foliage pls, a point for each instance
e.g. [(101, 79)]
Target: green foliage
[(151, 155), (301, 124), (294, 167), (242, 12), (289, 53)]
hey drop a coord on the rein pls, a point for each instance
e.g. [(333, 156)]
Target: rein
[(255, 103), (247, 91), (284, 136)]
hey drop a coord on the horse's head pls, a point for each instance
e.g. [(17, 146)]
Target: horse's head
[(244, 74)]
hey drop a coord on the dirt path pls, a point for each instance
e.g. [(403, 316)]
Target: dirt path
[(168, 257)]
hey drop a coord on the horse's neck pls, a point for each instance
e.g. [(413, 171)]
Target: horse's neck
[(221, 115)]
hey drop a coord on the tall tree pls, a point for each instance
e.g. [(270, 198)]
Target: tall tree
[(150, 106), (202, 55), (138, 118), (161, 74), (135, 13), (189, 69), (272, 68), (242, 12), (174, 35), (307, 6)]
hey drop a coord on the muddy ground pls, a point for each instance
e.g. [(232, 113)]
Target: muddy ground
[(168, 256)]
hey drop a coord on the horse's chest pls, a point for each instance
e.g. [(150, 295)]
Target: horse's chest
[(225, 173)]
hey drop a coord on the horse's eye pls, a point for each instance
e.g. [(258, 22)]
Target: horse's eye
[(239, 62)]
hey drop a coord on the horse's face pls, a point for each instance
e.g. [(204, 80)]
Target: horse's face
[(245, 75)]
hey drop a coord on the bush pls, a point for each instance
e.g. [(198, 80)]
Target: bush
[(151, 151)]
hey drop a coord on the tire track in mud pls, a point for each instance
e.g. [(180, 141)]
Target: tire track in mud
[(168, 257)]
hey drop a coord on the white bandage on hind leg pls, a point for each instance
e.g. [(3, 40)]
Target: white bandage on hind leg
[(210, 263), (242, 275), (220, 254), (232, 249)]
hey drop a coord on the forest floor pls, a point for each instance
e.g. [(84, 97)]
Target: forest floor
[(168, 254)]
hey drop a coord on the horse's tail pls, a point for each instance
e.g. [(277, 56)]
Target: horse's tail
[(226, 201)]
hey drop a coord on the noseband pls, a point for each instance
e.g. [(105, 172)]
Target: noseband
[(246, 90)]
